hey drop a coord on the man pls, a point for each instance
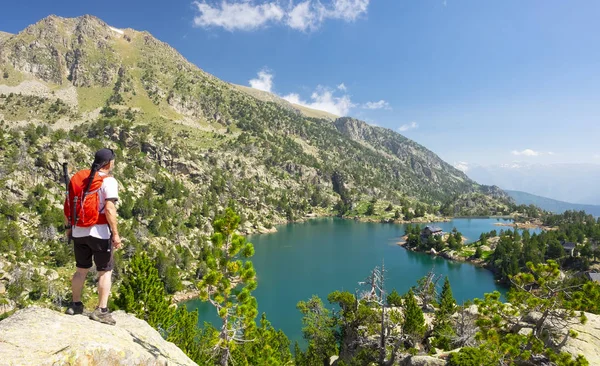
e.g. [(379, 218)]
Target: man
[(98, 240)]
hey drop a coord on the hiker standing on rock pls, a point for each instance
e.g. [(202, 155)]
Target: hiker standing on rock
[(92, 223)]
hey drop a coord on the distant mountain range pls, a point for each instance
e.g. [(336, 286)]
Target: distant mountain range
[(577, 183), (549, 204)]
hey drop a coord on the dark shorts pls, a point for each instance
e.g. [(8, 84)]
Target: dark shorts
[(100, 249)]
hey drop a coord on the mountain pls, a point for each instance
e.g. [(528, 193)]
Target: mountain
[(548, 204), (65, 71), (564, 182), (4, 35)]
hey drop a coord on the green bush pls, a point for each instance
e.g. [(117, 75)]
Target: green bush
[(469, 356)]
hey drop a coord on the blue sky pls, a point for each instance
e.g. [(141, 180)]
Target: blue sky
[(479, 82)]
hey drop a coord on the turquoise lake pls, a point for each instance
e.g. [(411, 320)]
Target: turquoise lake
[(323, 255)]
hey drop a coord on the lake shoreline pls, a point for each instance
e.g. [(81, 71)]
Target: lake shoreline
[(334, 254), (445, 255)]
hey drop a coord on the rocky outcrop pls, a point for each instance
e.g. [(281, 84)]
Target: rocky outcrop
[(422, 361), (4, 35), (587, 341), (355, 129), (39, 336)]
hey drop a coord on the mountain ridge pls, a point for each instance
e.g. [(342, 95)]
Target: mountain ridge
[(567, 182), (127, 71), (550, 204)]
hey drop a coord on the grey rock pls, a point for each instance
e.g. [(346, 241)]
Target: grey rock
[(587, 341), (51, 275), (39, 336), (422, 361), (5, 307)]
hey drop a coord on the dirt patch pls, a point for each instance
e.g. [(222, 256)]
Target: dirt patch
[(36, 88)]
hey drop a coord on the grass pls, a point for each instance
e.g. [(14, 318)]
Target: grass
[(92, 98), (127, 50), (14, 77), (466, 252), (486, 254)]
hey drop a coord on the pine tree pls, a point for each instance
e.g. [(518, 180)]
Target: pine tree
[(414, 322), (270, 347), (446, 300), (442, 327), (142, 293), (478, 252), (228, 284), (394, 299), (318, 331), (184, 331)]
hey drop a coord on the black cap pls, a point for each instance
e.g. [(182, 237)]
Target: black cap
[(103, 157)]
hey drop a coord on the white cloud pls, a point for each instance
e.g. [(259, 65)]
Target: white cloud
[(333, 100), (377, 105), (408, 126), (305, 16), (597, 156), (263, 82), (526, 152), (348, 10), (324, 100), (249, 15), (237, 15), (462, 166)]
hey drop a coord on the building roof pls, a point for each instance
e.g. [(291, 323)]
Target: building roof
[(594, 276), (433, 228), (568, 245)]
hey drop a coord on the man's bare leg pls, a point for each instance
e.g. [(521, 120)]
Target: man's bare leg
[(77, 283), (104, 284)]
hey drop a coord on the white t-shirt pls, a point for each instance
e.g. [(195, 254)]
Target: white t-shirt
[(108, 190)]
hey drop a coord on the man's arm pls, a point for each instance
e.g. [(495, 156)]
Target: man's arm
[(110, 210)]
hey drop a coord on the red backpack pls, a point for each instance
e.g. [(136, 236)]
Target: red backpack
[(85, 205)]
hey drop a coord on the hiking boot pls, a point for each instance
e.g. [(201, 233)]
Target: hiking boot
[(102, 317), (74, 309)]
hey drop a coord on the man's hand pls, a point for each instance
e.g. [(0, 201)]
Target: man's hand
[(116, 241)]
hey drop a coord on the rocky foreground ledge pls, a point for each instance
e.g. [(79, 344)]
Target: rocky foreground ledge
[(40, 336)]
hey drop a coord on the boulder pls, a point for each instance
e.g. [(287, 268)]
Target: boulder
[(40, 336), (422, 361), (333, 359), (2, 288), (587, 341), (51, 275), (5, 307)]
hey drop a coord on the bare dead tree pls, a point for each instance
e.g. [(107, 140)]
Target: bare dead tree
[(390, 335), (465, 327), (427, 288)]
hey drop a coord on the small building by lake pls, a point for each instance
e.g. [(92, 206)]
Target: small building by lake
[(569, 247), (594, 277), (431, 231)]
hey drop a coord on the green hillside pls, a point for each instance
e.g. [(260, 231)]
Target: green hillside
[(64, 72)]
